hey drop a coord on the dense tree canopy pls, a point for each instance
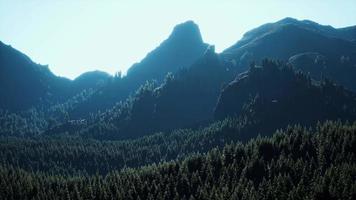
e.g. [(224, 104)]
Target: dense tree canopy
[(293, 164)]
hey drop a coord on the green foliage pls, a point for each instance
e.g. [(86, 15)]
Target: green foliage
[(273, 96), (38, 119), (183, 100), (95, 138), (75, 155), (293, 164)]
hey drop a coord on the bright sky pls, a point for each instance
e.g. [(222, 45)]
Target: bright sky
[(110, 35)]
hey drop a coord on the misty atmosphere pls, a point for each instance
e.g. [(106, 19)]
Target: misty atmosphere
[(267, 112)]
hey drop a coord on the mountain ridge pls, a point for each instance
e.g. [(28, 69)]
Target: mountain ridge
[(289, 37), (180, 50), (188, 123), (198, 83)]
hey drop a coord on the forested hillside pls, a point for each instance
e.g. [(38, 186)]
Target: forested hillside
[(269, 97), (273, 95), (293, 164), (157, 108)]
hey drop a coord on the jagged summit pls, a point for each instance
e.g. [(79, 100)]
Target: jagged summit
[(181, 49), (188, 30)]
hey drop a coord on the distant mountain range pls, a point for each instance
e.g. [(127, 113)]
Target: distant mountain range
[(252, 122), (180, 50), (21, 75), (188, 95)]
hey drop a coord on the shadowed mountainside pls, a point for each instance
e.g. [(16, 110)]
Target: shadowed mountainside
[(289, 37)]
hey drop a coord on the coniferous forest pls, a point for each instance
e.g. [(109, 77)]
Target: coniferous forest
[(271, 117)]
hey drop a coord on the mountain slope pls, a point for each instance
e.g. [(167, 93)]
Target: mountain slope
[(318, 66), (289, 37), (347, 33), (92, 79), (185, 99), (283, 40), (180, 50), (273, 96), (24, 83)]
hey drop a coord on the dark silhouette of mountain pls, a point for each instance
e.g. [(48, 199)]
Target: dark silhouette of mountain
[(185, 99), (273, 96), (134, 105), (289, 37), (93, 79), (182, 48), (24, 83), (202, 131), (347, 33), (57, 100), (342, 71)]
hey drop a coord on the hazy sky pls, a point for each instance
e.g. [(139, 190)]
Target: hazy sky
[(74, 36)]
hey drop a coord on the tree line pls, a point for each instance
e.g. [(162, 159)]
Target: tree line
[(297, 163)]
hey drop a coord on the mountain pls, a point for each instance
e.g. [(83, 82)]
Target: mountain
[(347, 33), (24, 83), (184, 123), (180, 50), (273, 96), (318, 66), (58, 100), (93, 79), (290, 37), (184, 99), (134, 105), (183, 47)]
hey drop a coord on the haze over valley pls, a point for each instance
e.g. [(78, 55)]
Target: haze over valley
[(271, 116)]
